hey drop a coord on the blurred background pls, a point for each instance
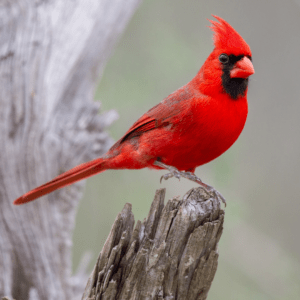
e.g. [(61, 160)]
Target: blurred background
[(162, 49)]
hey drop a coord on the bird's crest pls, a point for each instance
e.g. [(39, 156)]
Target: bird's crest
[(226, 38)]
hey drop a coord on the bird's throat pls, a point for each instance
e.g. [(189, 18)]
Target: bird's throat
[(234, 87)]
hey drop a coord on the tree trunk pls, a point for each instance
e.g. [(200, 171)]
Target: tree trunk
[(170, 255), (51, 54)]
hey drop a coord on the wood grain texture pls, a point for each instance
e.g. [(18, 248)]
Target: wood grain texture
[(51, 55), (170, 255)]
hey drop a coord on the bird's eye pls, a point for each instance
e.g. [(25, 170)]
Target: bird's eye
[(223, 58)]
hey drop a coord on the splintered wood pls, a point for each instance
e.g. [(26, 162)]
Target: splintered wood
[(170, 255)]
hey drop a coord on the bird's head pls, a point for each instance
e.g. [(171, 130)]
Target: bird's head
[(230, 64)]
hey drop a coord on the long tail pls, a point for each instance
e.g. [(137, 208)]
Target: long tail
[(78, 173)]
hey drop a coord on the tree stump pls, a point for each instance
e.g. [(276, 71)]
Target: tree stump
[(170, 255)]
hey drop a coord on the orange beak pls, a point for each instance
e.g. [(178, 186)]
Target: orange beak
[(242, 69)]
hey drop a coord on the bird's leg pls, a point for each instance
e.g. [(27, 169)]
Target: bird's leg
[(188, 175)]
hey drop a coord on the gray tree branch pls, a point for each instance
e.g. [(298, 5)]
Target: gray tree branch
[(51, 55), (170, 255)]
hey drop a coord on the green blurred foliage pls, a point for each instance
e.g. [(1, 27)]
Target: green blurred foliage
[(163, 47)]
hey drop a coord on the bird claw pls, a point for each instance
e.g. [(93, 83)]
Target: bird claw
[(191, 176), (173, 173), (211, 190)]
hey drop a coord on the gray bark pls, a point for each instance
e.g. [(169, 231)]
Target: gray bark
[(170, 255), (51, 55)]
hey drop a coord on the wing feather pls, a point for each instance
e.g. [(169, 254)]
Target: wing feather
[(170, 110)]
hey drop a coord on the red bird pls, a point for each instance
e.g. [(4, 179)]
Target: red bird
[(189, 128)]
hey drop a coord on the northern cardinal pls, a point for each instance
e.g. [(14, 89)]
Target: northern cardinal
[(187, 129)]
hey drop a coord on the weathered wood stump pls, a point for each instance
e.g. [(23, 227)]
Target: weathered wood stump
[(170, 255)]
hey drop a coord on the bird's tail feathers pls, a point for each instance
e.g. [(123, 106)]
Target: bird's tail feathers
[(80, 172)]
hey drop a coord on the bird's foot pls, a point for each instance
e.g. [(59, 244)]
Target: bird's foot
[(211, 190), (190, 176), (173, 173)]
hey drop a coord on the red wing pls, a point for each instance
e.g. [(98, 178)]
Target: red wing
[(170, 111), (154, 118), (145, 123)]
